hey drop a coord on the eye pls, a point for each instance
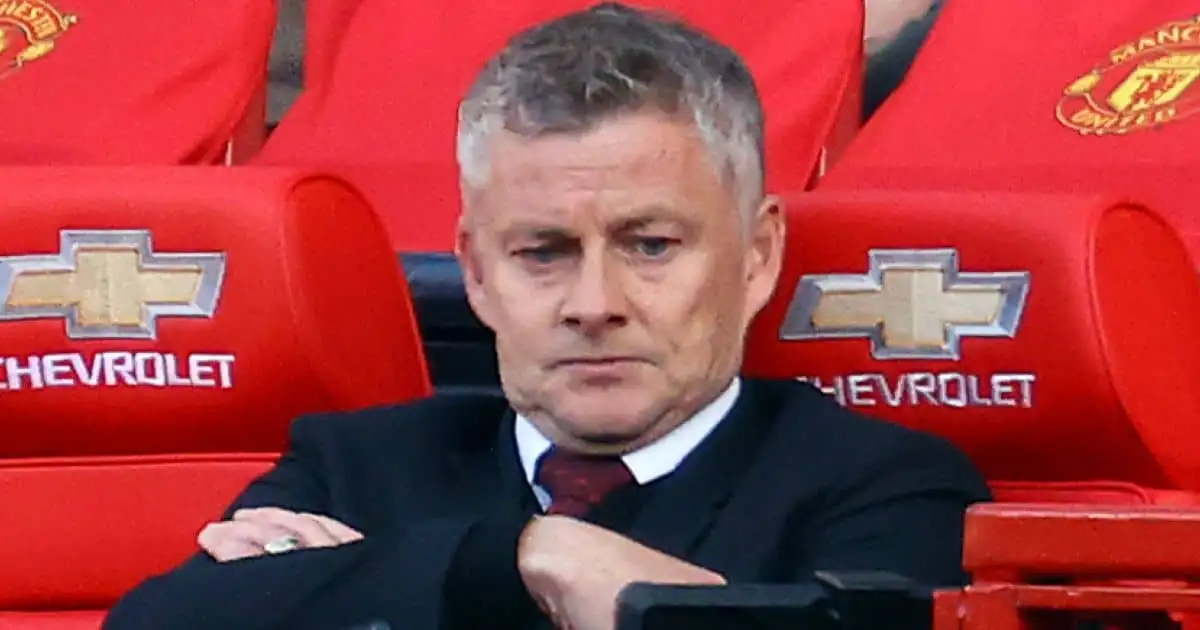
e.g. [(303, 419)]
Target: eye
[(654, 246), (540, 255)]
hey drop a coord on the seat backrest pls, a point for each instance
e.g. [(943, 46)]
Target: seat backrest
[(325, 26), (160, 329), (1052, 337), (390, 94), (1064, 82), (131, 82), (1033, 96)]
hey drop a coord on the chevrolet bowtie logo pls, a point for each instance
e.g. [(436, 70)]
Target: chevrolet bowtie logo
[(109, 284), (911, 304)]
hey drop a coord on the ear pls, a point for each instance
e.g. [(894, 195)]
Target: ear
[(764, 256), (466, 250)]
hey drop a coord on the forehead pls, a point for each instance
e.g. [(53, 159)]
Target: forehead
[(632, 164)]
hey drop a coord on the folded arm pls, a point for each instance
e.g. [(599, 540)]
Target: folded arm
[(903, 515), (391, 575)]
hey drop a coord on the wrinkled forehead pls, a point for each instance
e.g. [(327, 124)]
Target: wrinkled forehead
[(629, 169)]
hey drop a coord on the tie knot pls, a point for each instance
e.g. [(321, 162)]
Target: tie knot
[(576, 482)]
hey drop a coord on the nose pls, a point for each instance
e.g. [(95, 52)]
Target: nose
[(595, 300)]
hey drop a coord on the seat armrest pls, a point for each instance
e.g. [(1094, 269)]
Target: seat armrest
[(1021, 542)]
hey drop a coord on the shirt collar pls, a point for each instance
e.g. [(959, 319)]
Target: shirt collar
[(651, 462)]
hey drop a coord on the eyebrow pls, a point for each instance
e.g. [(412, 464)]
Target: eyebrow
[(535, 231), (632, 221), (649, 215)]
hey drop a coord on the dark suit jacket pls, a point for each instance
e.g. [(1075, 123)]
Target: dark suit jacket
[(789, 483)]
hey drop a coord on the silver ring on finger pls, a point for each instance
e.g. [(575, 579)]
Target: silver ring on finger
[(283, 544)]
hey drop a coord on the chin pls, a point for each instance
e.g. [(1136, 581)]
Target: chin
[(605, 419)]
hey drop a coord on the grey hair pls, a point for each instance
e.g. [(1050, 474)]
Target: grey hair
[(569, 74)]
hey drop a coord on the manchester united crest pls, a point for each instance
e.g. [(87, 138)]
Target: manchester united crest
[(1150, 81), (28, 31)]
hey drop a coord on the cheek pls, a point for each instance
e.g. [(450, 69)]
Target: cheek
[(695, 314), (676, 312), (521, 306)]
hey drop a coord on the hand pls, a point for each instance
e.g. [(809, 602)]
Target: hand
[(245, 535), (575, 570)]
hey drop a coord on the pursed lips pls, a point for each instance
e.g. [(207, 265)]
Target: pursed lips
[(598, 361)]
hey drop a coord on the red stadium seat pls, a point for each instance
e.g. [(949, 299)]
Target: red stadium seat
[(160, 328), (1035, 96), (130, 82), (386, 77), (1054, 338), (325, 25), (1051, 567)]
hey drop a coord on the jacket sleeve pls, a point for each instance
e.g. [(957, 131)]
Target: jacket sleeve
[(407, 578), (902, 515)]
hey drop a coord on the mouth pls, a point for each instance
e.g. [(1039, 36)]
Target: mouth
[(598, 362), (599, 371)]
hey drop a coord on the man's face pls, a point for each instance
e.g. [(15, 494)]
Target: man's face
[(618, 276)]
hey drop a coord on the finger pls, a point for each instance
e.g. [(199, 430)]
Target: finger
[(256, 533), (308, 530), (259, 513), (227, 541), (342, 532), (230, 550)]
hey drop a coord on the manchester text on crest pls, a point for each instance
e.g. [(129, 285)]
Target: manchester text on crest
[(1149, 81), (28, 30)]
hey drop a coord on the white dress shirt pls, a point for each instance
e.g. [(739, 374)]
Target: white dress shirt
[(651, 462)]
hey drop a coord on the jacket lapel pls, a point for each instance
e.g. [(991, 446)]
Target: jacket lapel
[(489, 476), (514, 487), (681, 510)]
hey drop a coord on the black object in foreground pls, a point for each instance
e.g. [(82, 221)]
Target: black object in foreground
[(830, 601)]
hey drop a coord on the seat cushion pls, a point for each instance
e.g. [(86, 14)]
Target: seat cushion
[(60, 620), (91, 528)]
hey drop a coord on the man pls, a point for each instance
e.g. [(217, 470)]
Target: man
[(616, 238), (895, 31), (285, 69)]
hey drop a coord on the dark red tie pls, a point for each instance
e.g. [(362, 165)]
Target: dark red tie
[(576, 483)]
